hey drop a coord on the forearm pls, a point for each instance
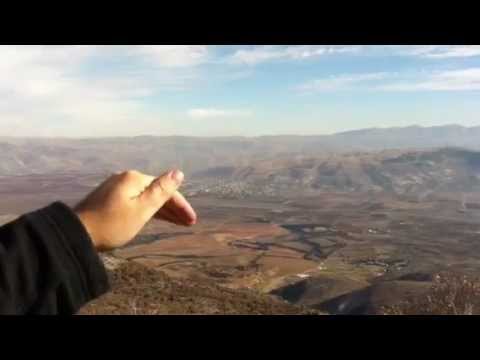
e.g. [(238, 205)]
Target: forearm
[(48, 264)]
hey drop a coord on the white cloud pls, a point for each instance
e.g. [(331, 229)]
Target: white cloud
[(45, 90), (173, 55), (259, 54), (452, 80), (209, 113), (456, 51), (436, 51), (341, 82)]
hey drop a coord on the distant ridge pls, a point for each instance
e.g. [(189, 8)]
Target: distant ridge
[(435, 128), (21, 156)]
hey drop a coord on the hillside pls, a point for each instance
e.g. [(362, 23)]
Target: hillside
[(139, 290), (412, 173)]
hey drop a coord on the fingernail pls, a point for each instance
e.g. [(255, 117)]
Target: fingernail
[(177, 176)]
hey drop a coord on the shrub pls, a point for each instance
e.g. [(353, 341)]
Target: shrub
[(450, 294)]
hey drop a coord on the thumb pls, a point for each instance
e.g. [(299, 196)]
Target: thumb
[(162, 189)]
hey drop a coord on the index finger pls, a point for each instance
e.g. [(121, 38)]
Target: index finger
[(179, 206)]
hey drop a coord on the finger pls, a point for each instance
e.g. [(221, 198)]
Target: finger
[(164, 214), (168, 214), (180, 207), (161, 190)]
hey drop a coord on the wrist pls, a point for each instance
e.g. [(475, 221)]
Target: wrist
[(87, 224)]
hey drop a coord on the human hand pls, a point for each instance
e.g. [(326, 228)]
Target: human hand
[(115, 212)]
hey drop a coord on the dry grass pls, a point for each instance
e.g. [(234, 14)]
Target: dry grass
[(139, 290), (450, 294)]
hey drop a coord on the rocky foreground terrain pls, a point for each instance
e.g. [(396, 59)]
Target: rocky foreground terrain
[(139, 290)]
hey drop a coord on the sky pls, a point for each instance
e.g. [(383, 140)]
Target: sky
[(201, 90)]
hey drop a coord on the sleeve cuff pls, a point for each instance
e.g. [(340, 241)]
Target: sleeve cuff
[(91, 269)]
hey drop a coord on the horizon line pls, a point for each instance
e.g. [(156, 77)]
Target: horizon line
[(236, 136)]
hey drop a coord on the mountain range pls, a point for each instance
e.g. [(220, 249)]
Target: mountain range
[(23, 156)]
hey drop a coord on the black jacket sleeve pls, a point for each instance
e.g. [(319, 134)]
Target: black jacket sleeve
[(48, 264)]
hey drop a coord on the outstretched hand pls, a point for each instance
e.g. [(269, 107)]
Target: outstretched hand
[(115, 212)]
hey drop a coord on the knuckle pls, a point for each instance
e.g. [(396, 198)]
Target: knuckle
[(158, 190), (130, 174), (161, 190), (114, 175)]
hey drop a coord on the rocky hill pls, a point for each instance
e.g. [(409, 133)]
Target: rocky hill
[(415, 173), (140, 290)]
